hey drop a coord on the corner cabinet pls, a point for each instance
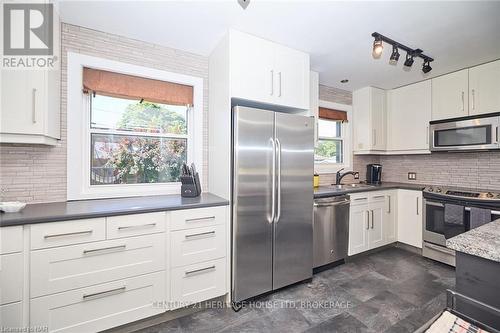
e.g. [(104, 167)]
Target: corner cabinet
[(410, 217), (369, 110), (30, 110), (408, 115), (263, 71)]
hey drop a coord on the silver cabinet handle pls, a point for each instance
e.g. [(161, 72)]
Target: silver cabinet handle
[(106, 249), (33, 105), (496, 134), (463, 101), (359, 199), (418, 209), (273, 183), (373, 218), (473, 99), (278, 167), (379, 196), (88, 297), (200, 234), (187, 273), (201, 219), (389, 208), (367, 220), (128, 227), (272, 82), (279, 91), (427, 136), (76, 233)]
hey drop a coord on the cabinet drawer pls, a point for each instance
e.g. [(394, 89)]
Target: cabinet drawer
[(194, 218), (77, 266), (198, 282), (11, 278), (197, 245), (11, 316), (99, 307), (11, 239), (46, 235), (135, 224), (359, 198)]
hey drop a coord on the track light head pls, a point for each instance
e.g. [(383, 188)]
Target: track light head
[(409, 60), (377, 47), (395, 55), (426, 67)]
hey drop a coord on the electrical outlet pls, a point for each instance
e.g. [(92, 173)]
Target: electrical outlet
[(356, 175), (412, 176)]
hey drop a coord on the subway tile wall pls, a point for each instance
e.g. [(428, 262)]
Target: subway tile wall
[(38, 174)]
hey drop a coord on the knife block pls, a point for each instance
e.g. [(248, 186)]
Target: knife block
[(191, 186)]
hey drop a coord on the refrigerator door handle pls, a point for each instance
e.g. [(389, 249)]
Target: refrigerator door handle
[(273, 183), (278, 168)]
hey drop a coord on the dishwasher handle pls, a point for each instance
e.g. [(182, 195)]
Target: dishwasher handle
[(333, 203)]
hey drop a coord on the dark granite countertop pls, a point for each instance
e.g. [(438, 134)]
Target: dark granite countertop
[(329, 191), (483, 242), (81, 209)]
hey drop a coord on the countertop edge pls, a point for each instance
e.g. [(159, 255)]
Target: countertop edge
[(382, 187)]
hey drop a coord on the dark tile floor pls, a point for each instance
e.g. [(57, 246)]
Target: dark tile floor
[(389, 291)]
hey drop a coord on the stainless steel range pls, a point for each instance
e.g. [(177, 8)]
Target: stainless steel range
[(435, 199)]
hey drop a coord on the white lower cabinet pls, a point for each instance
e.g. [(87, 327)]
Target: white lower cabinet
[(410, 219), (194, 283), (358, 229), (100, 307), (197, 245), (11, 278), (69, 267), (390, 218), (11, 315)]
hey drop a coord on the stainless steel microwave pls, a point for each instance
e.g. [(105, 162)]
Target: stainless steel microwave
[(466, 133)]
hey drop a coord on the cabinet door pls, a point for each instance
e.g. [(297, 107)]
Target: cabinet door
[(252, 68), (23, 101), (410, 217), (378, 119), (409, 114), (484, 88), (450, 97), (389, 224), (361, 115), (376, 232), (358, 229), (292, 77)]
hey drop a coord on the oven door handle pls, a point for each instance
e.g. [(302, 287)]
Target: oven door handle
[(437, 204)]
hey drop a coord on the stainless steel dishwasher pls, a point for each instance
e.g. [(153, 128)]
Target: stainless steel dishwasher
[(331, 229)]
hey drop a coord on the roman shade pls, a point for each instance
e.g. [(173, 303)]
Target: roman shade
[(331, 114), (135, 87)]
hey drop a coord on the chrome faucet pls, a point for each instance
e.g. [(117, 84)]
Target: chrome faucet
[(339, 175)]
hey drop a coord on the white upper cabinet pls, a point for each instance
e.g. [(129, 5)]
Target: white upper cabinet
[(484, 88), (30, 111), (369, 112), (409, 113), (450, 95), (266, 72)]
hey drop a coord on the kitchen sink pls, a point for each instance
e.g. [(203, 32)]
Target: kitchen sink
[(350, 186)]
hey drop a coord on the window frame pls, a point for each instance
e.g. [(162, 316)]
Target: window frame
[(346, 136), (79, 131)]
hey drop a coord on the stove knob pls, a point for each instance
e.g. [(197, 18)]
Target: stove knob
[(430, 189), (438, 190), (490, 195)]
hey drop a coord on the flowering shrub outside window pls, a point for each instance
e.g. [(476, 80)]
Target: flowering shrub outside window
[(134, 142)]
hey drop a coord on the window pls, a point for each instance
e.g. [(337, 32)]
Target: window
[(130, 129), (135, 141), (330, 146)]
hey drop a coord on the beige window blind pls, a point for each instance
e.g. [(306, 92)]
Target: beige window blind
[(134, 87)]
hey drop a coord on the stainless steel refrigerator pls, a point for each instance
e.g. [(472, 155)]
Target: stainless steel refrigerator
[(272, 200)]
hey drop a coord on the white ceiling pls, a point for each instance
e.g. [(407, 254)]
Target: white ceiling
[(336, 34)]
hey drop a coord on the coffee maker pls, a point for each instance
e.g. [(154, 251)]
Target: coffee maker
[(373, 173)]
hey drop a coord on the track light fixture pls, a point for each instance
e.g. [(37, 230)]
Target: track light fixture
[(409, 60), (378, 47), (426, 67), (395, 54), (411, 54)]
